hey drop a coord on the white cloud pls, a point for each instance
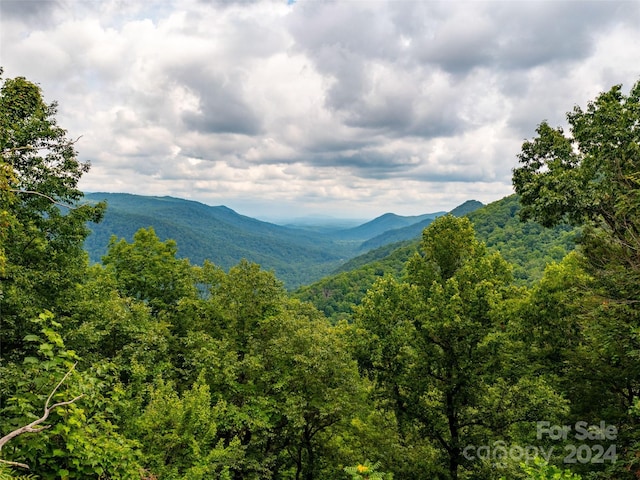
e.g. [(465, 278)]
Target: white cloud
[(354, 108)]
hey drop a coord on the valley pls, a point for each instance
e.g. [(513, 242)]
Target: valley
[(298, 254)]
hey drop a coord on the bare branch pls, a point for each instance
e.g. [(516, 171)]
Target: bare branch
[(14, 464), (53, 392), (33, 426), (9, 151), (52, 200), (18, 149)]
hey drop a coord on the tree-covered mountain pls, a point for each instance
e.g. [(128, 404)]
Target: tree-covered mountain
[(302, 256), (415, 229), (218, 234), (297, 256), (382, 224), (528, 247)]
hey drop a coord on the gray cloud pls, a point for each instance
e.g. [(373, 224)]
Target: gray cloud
[(508, 35), (385, 103), (368, 162), (350, 44), (361, 27), (28, 10), (223, 110)]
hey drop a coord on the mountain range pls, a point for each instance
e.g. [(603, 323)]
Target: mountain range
[(297, 254), (527, 246)]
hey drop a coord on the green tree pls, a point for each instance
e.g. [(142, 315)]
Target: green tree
[(439, 350), (44, 226), (42, 269), (148, 270), (80, 439), (366, 471), (281, 378), (549, 319), (315, 381), (591, 177), (7, 197), (590, 174), (180, 437), (541, 470)]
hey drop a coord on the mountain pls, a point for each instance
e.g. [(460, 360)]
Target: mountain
[(383, 223), (466, 208), (298, 255), (415, 229), (218, 234), (527, 246)]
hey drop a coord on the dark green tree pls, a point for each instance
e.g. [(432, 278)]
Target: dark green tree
[(71, 413), (282, 376), (591, 177)]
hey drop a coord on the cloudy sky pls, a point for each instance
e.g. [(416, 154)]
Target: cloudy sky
[(350, 108)]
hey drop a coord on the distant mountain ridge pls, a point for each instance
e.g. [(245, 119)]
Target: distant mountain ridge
[(298, 256), (218, 234), (385, 223), (415, 229)]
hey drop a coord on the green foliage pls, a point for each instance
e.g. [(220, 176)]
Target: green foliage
[(284, 373), (438, 345), (41, 254), (180, 436), (148, 270), (188, 372), (541, 470), (7, 197), (367, 471), (252, 385), (527, 246), (590, 174), (6, 473), (80, 441), (589, 177)]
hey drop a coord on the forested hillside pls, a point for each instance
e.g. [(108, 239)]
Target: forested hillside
[(414, 230), (527, 246), (384, 223), (146, 366), (297, 255), (218, 234)]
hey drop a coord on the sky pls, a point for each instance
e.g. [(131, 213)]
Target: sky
[(350, 108)]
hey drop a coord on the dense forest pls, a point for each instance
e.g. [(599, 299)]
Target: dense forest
[(299, 253), (461, 357), (218, 234)]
